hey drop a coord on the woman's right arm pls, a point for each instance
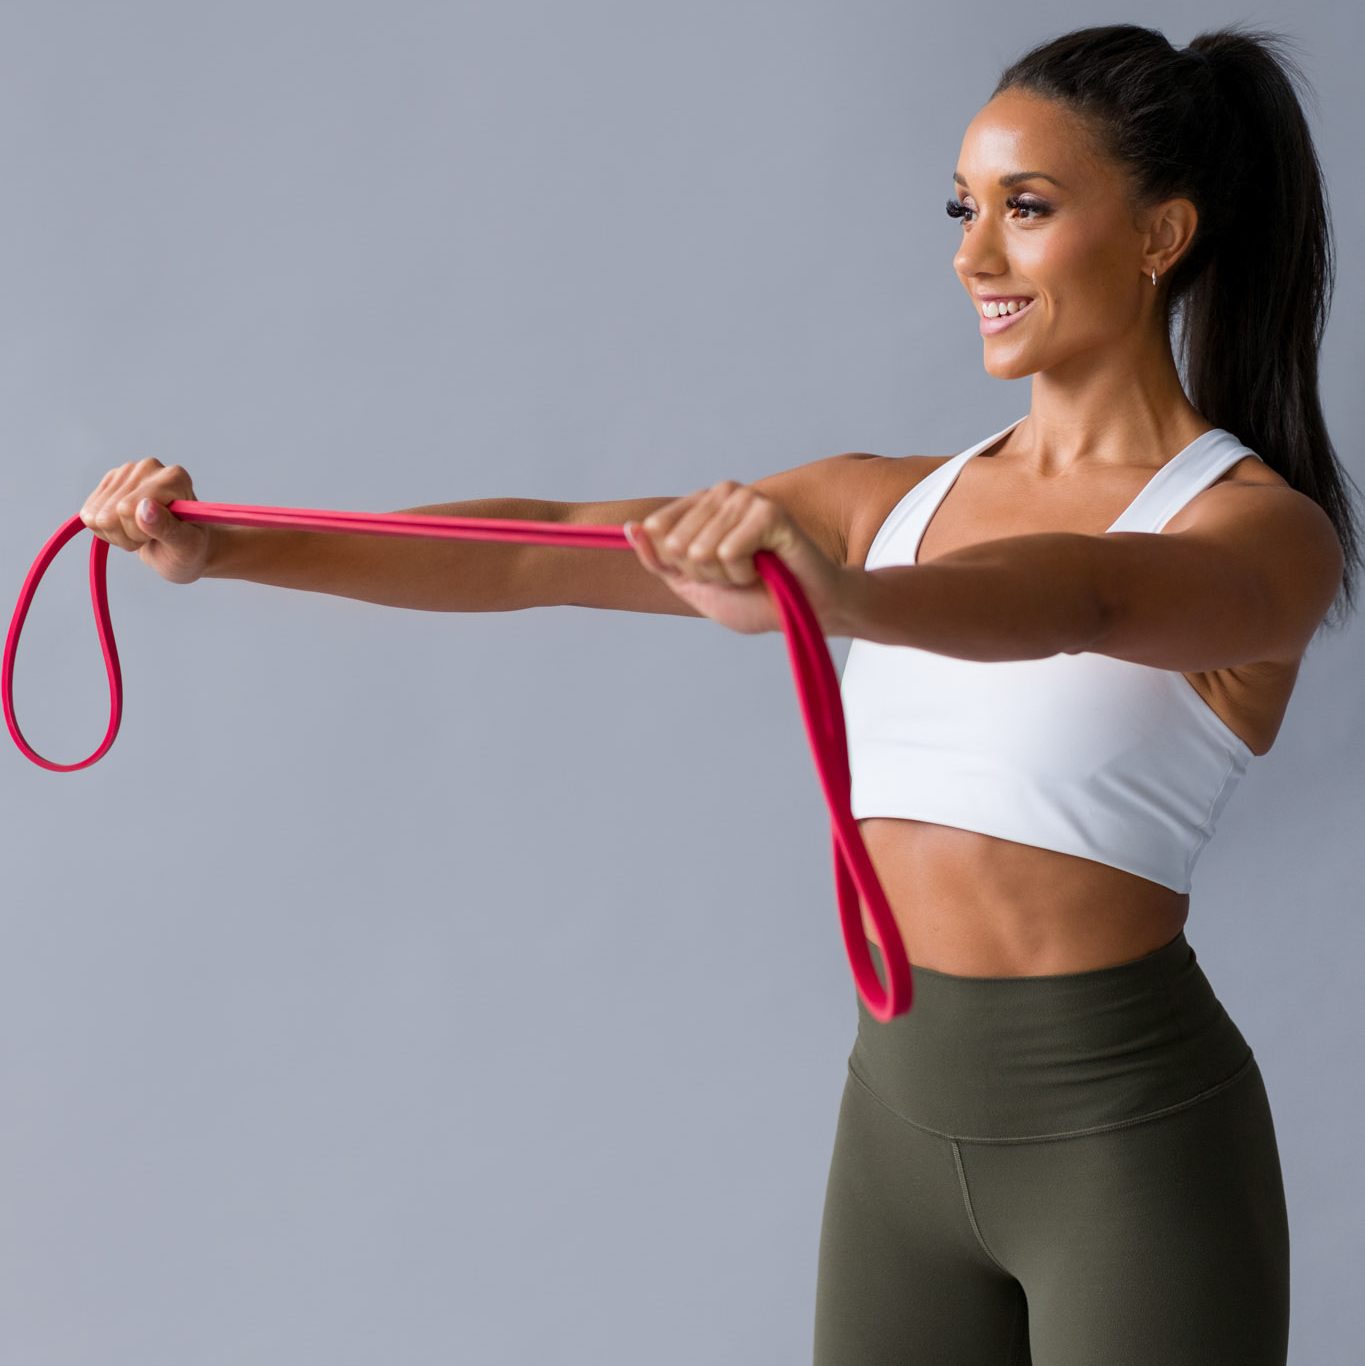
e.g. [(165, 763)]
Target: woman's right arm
[(454, 575), (437, 575)]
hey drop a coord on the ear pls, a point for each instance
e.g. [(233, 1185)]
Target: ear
[(1170, 229)]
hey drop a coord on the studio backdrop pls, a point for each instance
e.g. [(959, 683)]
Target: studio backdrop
[(415, 987)]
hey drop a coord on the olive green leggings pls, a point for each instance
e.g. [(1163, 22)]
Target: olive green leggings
[(1069, 1170)]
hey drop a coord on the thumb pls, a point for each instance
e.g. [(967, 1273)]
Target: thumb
[(154, 518)]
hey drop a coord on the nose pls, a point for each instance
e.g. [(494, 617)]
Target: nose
[(979, 251)]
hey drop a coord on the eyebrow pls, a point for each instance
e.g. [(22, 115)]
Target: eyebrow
[(1016, 176)]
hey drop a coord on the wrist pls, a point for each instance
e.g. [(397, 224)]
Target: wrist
[(224, 545)]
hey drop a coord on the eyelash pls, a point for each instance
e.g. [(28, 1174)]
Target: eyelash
[(956, 208)]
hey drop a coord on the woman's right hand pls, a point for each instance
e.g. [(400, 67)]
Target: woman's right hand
[(116, 512)]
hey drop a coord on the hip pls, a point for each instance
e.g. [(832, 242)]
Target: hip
[(1018, 1058)]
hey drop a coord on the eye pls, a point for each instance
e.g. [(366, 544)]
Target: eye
[(956, 208)]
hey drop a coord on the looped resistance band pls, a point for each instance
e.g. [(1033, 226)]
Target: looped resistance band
[(817, 687)]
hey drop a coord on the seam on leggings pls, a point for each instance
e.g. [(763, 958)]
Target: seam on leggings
[(1244, 1070), (971, 1213)]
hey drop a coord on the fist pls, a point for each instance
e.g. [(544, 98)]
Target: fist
[(703, 548), (117, 511)]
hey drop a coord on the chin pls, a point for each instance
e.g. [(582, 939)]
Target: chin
[(1005, 367)]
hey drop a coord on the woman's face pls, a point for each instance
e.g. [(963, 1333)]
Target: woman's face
[(1068, 241)]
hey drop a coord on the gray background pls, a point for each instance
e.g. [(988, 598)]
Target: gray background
[(415, 987)]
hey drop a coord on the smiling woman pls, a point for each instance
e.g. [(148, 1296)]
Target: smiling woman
[(1070, 640)]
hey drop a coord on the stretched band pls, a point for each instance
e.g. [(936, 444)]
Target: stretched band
[(817, 687)]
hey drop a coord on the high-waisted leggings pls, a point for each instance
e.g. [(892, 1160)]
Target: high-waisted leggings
[(1068, 1170)]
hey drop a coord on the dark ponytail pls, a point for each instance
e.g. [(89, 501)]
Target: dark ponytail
[(1220, 123)]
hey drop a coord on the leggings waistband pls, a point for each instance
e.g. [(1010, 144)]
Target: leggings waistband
[(1002, 1059)]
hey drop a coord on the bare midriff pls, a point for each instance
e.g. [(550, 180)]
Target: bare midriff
[(977, 906)]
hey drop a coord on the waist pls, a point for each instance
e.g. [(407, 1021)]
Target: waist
[(978, 905), (1017, 1058)]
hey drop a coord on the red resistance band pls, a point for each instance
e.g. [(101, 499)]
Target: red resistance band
[(817, 687)]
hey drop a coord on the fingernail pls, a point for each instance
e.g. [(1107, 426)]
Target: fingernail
[(147, 508), (626, 528)]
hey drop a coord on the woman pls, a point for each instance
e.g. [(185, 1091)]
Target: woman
[(1064, 1152)]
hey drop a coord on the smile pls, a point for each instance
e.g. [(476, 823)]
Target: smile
[(991, 325)]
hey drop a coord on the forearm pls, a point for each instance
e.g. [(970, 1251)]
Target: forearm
[(1018, 597), (428, 574)]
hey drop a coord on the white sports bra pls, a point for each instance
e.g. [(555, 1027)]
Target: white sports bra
[(1082, 753)]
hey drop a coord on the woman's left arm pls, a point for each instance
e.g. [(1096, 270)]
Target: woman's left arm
[(1242, 575)]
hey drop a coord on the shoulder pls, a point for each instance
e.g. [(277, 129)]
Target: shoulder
[(822, 496), (1251, 469), (1287, 538), (818, 494), (880, 486), (840, 500), (1229, 491), (1250, 491)]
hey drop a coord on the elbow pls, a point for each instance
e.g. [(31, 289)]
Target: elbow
[(1093, 630), (1095, 610)]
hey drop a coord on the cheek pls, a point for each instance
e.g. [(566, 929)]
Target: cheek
[(1061, 249), (1072, 268)]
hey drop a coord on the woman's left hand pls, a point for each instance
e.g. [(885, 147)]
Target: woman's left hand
[(703, 548)]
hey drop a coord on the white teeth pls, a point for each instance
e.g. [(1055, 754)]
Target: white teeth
[(994, 308)]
